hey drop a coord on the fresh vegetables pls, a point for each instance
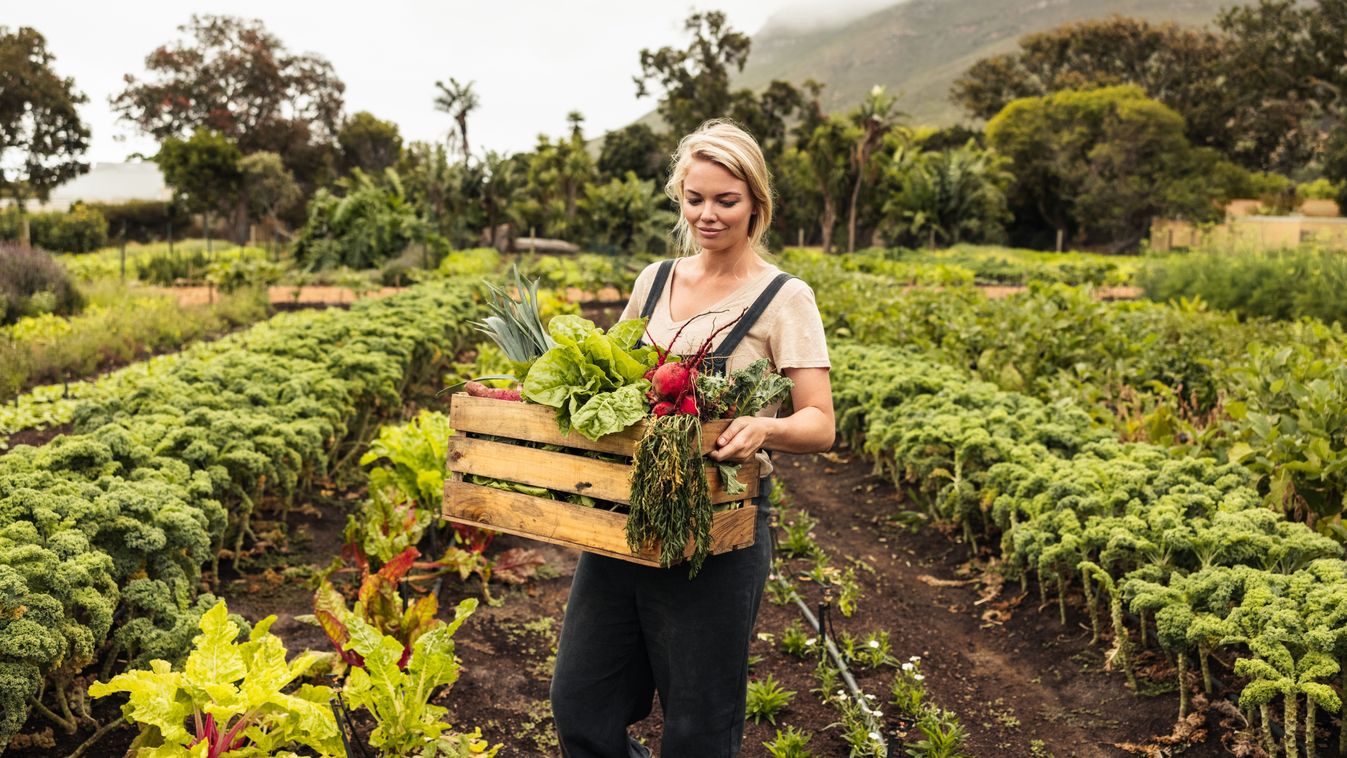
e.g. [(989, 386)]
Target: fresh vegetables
[(229, 698), (515, 324), (669, 493), (477, 389), (595, 381)]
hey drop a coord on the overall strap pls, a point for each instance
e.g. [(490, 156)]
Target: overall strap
[(715, 361), (656, 287)]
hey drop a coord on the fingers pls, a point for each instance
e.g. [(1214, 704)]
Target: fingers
[(738, 442)]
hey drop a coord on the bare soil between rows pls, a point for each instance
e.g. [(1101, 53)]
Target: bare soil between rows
[(1021, 683)]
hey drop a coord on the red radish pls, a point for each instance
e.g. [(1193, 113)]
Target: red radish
[(672, 380), (688, 405), (477, 389), (663, 408)]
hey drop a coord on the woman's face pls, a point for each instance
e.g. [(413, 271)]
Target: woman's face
[(717, 206)]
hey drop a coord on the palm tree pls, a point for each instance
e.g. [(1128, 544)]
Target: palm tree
[(875, 117), (458, 100)]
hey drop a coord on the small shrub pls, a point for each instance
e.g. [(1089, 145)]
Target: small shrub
[(32, 283), (767, 699), (791, 743)]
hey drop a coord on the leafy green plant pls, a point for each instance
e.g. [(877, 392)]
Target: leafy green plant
[(799, 540), (380, 605), (909, 687), (942, 736), (871, 651), (399, 699), (229, 697), (595, 380), (794, 641), (767, 699), (791, 743)]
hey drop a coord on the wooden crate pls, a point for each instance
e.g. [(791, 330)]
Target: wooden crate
[(591, 529)]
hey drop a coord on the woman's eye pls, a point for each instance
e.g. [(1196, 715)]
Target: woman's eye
[(694, 202), (729, 203)]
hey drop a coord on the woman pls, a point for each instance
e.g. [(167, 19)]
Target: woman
[(631, 630)]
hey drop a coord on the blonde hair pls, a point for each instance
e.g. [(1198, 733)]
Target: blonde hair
[(726, 143)]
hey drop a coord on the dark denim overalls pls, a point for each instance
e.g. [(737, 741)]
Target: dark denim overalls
[(632, 630)]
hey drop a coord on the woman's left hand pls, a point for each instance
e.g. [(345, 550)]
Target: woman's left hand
[(742, 439)]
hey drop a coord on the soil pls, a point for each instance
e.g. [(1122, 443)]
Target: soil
[(1020, 682)]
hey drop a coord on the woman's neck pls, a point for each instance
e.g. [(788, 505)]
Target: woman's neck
[(740, 263)]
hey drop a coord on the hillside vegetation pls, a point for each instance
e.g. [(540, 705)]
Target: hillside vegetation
[(917, 49)]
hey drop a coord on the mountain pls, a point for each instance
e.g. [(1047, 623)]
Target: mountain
[(917, 49)]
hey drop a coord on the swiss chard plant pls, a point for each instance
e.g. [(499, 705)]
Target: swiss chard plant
[(399, 696), (230, 698)]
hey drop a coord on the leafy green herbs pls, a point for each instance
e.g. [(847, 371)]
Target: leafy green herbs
[(596, 381), (670, 498), (743, 393)]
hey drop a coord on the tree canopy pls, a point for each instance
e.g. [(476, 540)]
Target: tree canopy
[(232, 76), (41, 135)]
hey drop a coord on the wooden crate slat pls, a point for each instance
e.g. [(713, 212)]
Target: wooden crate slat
[(576, 474), (538, 423), (603, 480), (589, 529)]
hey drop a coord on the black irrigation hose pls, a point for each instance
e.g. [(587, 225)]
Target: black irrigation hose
[(830, 649)]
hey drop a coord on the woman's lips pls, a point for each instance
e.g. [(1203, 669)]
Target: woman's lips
[(708, 232)]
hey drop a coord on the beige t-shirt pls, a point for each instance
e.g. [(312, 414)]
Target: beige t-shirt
[(789, 333)]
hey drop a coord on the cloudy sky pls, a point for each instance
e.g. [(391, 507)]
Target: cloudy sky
[(533, 61)]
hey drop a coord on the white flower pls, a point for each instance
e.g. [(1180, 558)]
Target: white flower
[(878, 714), (810, 642), (869, 696), (915, 659), (876, 737), (918, 677), (842, 692), (908, 667), (874, 644)]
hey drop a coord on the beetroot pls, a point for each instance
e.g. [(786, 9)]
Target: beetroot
[(672, 380), (663, 408), (688, 405)]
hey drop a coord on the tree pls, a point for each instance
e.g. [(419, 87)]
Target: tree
[(1182, 68), (233, 77), (875, 117), (458, 100), (695, 80), (948, 196), (555, 177), (828, 152), (1286, 78), (361, 229), (41, 135), (266, 185), (634, 148), (203, 171), (625, 213), (498, 185), (369, 143), (1097, 165), (765, 115)]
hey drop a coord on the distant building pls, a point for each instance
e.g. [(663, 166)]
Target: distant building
[(1317, 222), (108, 183)]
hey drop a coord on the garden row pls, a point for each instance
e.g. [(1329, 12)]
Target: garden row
[(1182, 542), (1271, 395), (105, 532)]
